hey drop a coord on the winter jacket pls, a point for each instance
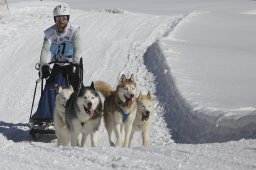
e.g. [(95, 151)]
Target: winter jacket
[(64, 46)]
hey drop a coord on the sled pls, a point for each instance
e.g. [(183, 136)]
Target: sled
[(44, 125)]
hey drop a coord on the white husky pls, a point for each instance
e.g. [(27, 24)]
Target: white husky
[(143, 120), (61, 130)]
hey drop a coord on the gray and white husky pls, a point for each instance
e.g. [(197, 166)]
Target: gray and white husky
[(83, 115)]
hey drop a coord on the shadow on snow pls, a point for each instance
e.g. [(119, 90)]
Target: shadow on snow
[(19, 132)]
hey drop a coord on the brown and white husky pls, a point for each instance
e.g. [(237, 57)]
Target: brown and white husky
[(119, 109)]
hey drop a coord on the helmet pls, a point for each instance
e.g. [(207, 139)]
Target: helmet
[(62, 9)]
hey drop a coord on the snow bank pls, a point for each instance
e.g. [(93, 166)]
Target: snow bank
[(190, 123)]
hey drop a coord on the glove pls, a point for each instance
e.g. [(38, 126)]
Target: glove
[(45, 71)]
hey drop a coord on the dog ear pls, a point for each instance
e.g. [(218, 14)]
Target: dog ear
[(132, 78), (92, 85), (59, 89), (80, 90), (70, 87), (139, 97), (149, 95), (122, 79)]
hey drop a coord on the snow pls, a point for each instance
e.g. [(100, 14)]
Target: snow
[(196, 56)]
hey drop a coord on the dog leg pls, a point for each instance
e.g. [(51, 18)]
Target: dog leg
[(59, 140), (57, 125), (128, 129), (109, 127), (122, 133), (117, 128), (94, 138), (75, 129), (145, 138), (64, 136), (131, 136), (84, 136), (95, 132), (111, 143), (74, 138), (66, 141)]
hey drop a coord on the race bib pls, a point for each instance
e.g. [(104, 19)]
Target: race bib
[(63, 50)]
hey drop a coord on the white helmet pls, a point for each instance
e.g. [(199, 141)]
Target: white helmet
[(62, 9)]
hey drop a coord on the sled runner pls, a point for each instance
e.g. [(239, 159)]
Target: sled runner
[(41, 121)]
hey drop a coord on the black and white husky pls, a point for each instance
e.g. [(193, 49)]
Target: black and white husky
[(83, 115)]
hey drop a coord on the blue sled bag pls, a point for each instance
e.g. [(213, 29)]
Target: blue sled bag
[(46, 104)]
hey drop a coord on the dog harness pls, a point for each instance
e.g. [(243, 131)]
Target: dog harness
[(125, 115)]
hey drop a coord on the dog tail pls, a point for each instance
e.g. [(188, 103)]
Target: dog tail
[(104, 88)]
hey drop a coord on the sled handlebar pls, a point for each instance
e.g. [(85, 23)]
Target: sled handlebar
[(37, 66), (60, 62)]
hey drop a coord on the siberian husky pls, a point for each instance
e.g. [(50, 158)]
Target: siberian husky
[(83, 115), (61, 130), (143, 120), (119, 109)]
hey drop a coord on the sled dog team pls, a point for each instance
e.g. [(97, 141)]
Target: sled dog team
[(81, 113)]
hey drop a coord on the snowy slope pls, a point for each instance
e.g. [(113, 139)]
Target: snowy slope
[(151, 46)]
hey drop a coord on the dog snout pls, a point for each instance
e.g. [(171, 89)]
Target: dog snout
[(131, 95), (89, 104), (147, 113)]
